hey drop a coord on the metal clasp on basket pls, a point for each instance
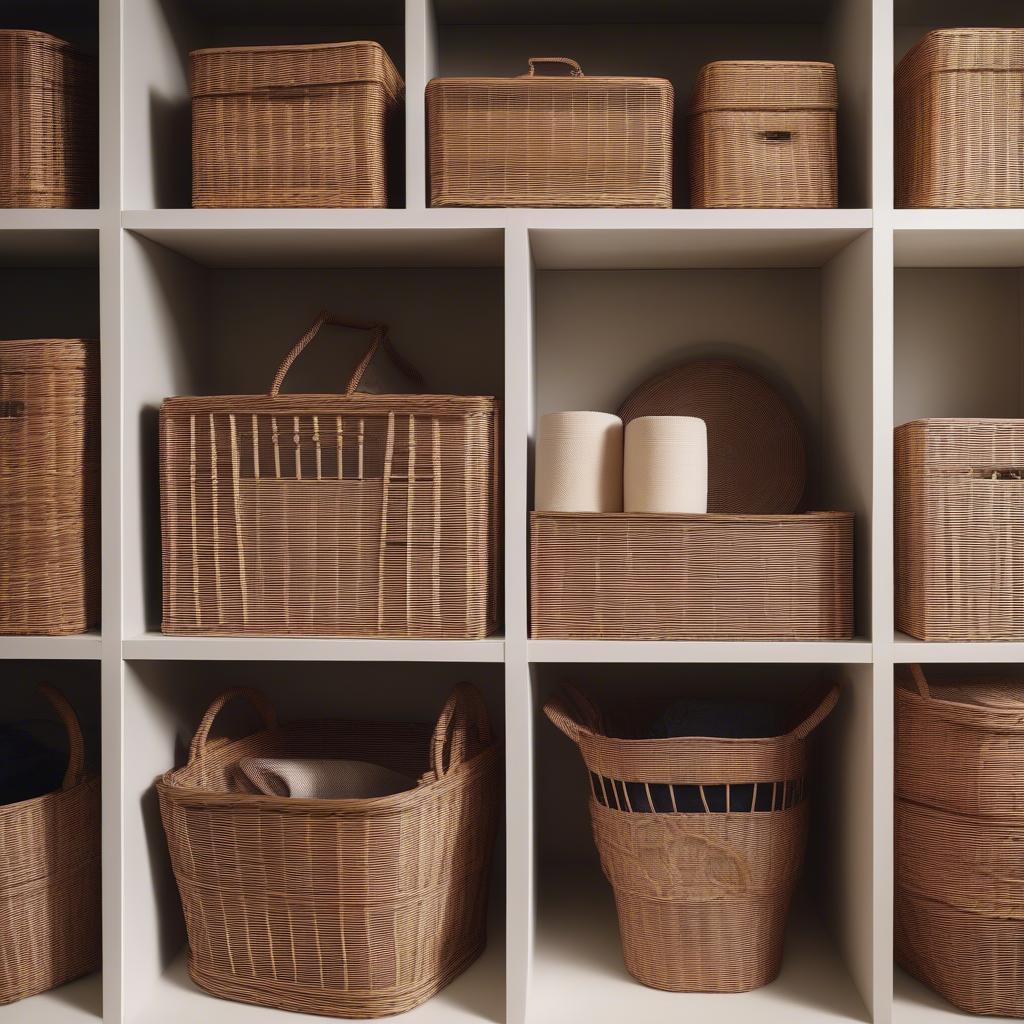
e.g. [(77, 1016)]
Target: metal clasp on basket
[(11, 410), (776, 136)]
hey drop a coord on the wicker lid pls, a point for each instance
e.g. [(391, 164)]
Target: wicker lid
[(765, 85), (964, 49), (26, 355), (537, 78), (34, 57), (999, 697)]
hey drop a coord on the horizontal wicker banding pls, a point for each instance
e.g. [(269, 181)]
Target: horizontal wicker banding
[(692, 577), (763, 134), (293, 126), (960, 120)]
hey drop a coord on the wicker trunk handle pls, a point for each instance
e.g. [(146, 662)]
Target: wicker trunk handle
[(920, 682), (463, 729), (254, 697), (76, 745), (585, 720), (575, 70), (817, 716)]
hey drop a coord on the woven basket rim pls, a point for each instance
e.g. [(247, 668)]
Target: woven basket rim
[(89, 779), (35, 35), (359, 402), (702, 517), (769, 64), (988, 716), (48, 341), (564, 81), (291, 47)]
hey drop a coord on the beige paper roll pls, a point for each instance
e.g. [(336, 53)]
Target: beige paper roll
[(578, 463), (666, 465)]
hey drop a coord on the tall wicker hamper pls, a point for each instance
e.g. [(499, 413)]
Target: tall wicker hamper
[(960, 119), (49, 486), (549, 140), (349, 908), (702, 898), (49, 155), (959, 833), (292, 125), (50, 878), (321, 515), (959, 529), (763, 134)]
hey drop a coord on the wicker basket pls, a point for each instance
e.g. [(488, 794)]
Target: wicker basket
[(960, 119), (49, 155), (327, 515), (959, 532), (959, 832), (541, 140), (50, 878), (49, 486), (351, 908), (292, 125), (763, 134), (692, 577), (702, 898)]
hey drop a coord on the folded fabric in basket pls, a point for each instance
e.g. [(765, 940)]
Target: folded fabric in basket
[(321, 779)]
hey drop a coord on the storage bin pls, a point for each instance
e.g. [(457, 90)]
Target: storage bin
[(48, 149), (350, 908), (50, 878), (763, 134), (959, 832), (636, 576), (292, 125), (703, 897), (321, 515), (49, 486), (959, 529), (550, 140), (960, 119)]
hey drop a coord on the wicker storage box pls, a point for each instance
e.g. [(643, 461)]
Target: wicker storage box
[(959, 532), (763, 134), (48, 146), (350, 908), (292, 125), (692, 577), (50, 878), (49, 486), (541, 140), (702, 898), (307, 515), (960, 119)]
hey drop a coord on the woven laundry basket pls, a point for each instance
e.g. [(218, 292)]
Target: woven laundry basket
[(49, 154), (959, 529), (763, 134), (959, 834), (702, 898), (49, 486), (327, 515), (550, 140), (292, 125), (348, 908), (960, 119), (50, 878)]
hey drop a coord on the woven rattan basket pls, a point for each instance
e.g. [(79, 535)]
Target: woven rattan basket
[(292, 125), (634, 576), (959, 833), (550, 140), (959, 529), (702, 898), (960, 119), (48, 143), (350, 908), (49, 486), (763, 134), (50, 878), (306, 515)]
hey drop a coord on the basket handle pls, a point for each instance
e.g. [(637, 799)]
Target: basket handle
[(254, 697), (817, 716), (76, 744), (917, 674), (586, 720), (463, 714), (575, 70)]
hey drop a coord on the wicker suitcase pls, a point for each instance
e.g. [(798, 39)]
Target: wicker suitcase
[(542, 140)]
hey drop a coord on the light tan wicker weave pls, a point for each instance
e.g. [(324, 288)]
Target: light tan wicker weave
[(702, 898), (50, 878), (292, 125), (959, 532), (692, 577), (960, 119), (763, 134), (350, 908), (959, 833), (543, 140), (48, 109), (49, 486), (305, 515)]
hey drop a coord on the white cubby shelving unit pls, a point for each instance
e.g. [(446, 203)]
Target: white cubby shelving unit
[(865, 316)]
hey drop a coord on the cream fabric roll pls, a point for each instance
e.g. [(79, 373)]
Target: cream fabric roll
[(321, 778), (578, 460), (666, 465)]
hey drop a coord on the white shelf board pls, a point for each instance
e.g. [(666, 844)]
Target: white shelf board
[(907, 650), (914, 1003), (75, 1003), (959, 238), (49, 238), (86, 647), (850, 652)]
